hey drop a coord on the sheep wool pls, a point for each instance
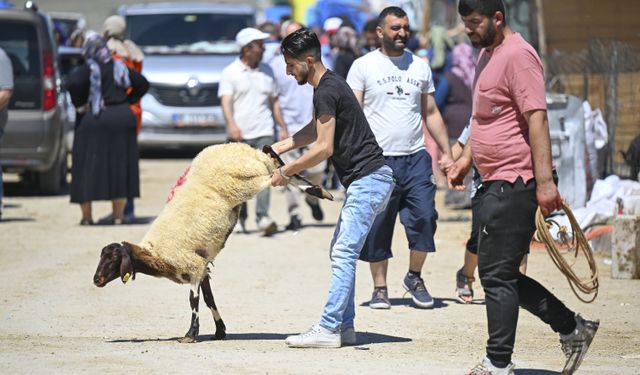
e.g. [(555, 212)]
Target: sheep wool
[(201, 209)]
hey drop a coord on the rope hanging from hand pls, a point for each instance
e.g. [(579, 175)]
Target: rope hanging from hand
[(576, 244)]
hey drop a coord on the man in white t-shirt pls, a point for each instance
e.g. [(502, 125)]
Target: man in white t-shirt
[(396, 89), (6, 90), (249, 97), (296, 102)]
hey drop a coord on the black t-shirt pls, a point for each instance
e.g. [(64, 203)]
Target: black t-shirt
[(356, 152)]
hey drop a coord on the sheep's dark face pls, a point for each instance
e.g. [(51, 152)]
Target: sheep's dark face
[(115, 261)]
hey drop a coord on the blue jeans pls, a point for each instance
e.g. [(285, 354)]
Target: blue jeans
[(365, 198)]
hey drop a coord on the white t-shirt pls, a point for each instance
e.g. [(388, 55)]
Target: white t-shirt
[(393, 88), (465, 134), (6, 83), (295, 100), (252, 91)]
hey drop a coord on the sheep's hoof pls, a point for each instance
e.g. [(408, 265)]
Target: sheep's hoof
[(220, 330), (187, 340)]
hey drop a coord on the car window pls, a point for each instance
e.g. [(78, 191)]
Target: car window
[(65, 26), (190, 33), (20, 41), (68, 62)]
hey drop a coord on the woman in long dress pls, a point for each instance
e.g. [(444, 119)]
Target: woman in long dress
[(105, 148)]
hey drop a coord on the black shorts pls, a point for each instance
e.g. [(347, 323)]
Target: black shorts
[(412, 198)]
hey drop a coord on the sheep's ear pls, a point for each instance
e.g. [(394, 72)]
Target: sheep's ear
[(126, 266)]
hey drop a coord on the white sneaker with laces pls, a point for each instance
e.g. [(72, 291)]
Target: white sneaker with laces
[(316, 337), (348, 336)]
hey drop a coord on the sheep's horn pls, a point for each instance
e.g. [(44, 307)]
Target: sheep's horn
[(308, 187)]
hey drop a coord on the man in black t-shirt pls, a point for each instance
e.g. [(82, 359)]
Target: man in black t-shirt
[(341, 134)]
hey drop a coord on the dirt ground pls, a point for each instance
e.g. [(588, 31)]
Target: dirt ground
[(54, 320)]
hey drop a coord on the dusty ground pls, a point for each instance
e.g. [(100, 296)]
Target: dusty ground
[(55, 320)]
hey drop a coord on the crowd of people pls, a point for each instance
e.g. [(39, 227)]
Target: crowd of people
[(369, 126), (384, 112)]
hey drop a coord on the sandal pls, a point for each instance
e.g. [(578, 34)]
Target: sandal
[(463, 287)]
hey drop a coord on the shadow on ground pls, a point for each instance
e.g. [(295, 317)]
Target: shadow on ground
[(138, 220), (364, 338), (24, 189), (438, 303)]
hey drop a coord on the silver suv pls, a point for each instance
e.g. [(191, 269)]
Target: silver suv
[(186, 48), (33, 143)]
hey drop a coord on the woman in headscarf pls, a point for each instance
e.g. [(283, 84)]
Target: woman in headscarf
[(105, 150), (345, 42), (125, 50), (453, 92)]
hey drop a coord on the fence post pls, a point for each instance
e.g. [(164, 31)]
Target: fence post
[(625, 247)]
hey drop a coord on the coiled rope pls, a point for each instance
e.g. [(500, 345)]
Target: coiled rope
[(576, 244)]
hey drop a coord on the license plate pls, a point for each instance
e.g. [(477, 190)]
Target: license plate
[(195, 119)]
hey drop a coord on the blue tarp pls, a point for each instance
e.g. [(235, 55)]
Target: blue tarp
[(357, 11)]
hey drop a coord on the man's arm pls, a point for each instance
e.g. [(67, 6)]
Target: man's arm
[(277, 115), (5, 96), (459, 169), (321, 150), (546, 191), (359, 96), (301, 138), (435, 125), (233, 131), (6, 79)]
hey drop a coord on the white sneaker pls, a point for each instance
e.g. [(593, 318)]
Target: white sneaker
[(240, 228), (316, 337), (487, 368), (267, 225), (348, 336)]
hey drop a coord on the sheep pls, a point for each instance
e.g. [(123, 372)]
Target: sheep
[(200, 214)]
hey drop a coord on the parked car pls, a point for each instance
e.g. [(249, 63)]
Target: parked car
[(69, 58), (33, 143), (186, 48)]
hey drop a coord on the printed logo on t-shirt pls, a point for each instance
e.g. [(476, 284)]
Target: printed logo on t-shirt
[(400, 91), (496, 109)]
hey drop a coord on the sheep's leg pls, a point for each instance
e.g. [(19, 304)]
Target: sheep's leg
[(194, 299), (208, 299)]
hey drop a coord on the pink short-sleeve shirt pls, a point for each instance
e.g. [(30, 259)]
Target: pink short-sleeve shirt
[(510, 82)]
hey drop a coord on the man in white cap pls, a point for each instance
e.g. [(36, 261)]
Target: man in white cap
[(249, 96), (296, 102)]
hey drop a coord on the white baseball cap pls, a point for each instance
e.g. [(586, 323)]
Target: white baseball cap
[(332, 24), (248, 35)]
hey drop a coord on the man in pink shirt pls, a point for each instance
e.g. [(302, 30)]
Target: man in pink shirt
[(510, 147)]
